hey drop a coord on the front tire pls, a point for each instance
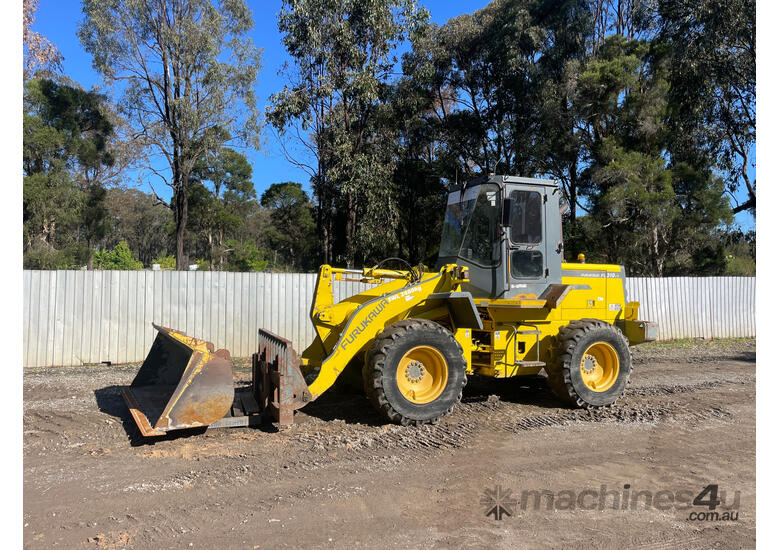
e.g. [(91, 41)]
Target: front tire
[(594, 364), (415, 372)]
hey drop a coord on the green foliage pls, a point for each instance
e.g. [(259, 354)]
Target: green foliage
[(644, 112), (559, 134), (635, 208), (94, 214), (711, 44), (64, 146), (40, 256), (744, 266), (76, 127), (203, 265), (220, 199), (244, 257), (139, 219), (292, 230), (120, 257), (740, 253), (166, 263), (652, 215), (538, 88)]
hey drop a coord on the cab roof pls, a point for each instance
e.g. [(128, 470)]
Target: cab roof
[(504, 180)]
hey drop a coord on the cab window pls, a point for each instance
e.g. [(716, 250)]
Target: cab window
[(527, 264), (525, 219), (481, 238)]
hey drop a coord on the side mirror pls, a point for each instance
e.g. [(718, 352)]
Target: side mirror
[(506, 212)]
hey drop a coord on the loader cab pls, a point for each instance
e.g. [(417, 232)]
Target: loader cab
[(507, 231)]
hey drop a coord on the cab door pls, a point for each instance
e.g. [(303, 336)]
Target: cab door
[(525, 220)]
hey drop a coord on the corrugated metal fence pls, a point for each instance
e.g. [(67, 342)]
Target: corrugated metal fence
[(697, 307), (78, 317)]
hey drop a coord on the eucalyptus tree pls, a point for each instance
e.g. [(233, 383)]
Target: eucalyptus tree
[(478, 71), (342, 52), (711, 45), (186, 70), (292, 228), (41, 57)]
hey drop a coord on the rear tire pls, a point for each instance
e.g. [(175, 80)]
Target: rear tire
[(594, 364), (414, 372)]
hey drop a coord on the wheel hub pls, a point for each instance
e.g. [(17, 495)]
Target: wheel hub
[(599, 366), (589, 364), (415, 372), (421, 374)]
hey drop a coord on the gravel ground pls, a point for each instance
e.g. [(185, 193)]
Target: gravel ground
[(340, 477)]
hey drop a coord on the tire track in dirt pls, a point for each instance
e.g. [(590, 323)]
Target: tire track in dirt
[(661, 388), (362, 446), (315, 444), (391, 444)]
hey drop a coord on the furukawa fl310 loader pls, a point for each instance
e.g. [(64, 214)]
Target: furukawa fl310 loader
[(502, 303)]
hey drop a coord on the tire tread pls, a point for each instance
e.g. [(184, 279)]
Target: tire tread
[(376, 357), (559, 375)]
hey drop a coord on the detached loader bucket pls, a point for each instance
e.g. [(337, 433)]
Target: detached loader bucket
[(183, 383)]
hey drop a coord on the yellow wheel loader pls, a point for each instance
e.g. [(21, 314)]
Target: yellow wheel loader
[(501, 303)]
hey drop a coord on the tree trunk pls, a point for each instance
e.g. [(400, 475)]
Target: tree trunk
[(658, 265), (350, 238), (751, 202), (412, 250), (47, 231), (91, 257), (322, 226), (573, 194), (221, 249), (181, 222), (211, 251), (324, 243), (323, 219)]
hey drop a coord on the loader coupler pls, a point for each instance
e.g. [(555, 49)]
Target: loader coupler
[(277, 381), (183, 383)]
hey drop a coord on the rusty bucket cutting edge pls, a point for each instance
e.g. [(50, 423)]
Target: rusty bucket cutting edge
[(183, 383)]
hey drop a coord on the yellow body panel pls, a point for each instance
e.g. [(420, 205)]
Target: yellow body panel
[(597, 293)]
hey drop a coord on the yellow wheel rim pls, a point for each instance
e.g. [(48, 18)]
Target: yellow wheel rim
[(599, 367), (421, 374)]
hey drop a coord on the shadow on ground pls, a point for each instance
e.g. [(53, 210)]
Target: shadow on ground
[(345, 403), (749, 356), (352, 407), (109, 400), (525, 390)]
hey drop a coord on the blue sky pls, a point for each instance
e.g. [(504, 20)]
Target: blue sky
[(58, 20)]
